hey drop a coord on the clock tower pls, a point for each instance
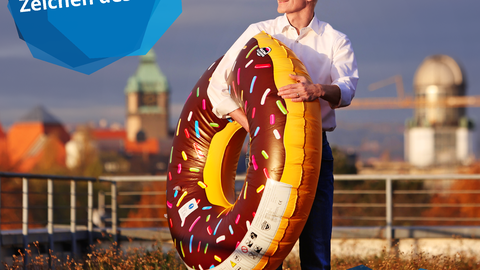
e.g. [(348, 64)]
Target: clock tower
[(147, 94)]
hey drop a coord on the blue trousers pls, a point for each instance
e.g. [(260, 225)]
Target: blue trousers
[(317, 233)]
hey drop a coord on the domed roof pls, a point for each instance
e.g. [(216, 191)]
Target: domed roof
[(441, 70), (148, 77)]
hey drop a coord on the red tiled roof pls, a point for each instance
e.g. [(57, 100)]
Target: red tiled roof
[(150, 146)]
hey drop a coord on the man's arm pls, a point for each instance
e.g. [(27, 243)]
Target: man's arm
[(217, 91), (239, 116), (344, 75), (304, 90)]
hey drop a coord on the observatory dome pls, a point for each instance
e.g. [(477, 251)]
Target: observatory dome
[(440, 70)]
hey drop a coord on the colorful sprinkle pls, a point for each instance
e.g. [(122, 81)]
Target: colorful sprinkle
[(230, 229), (170, 176), (181, 198), (209, 230), (195, 222), (253, 214), (265, 171), (241, 95), (206, 207), (280, 106), (238, 219), (253, 113), (198, 250), (277, 134), (175, 194), (217, 258), (272, 119), (190, 246), (201, 184), (205, 250), (245, 192), (178, 125), (184, 155), (255, 166), (238, 243), (220, 239), (198, 91), (238, 76), (190, 116), (179, 166), (214, 125), (263, 66), (187, 134), (248, 54), (181, 247), (197, 129), (248, 225), (264, 97), (171, 223), (208, 218), (253, 83), (197, 149), (211, 66), (194, 170), (264, 154), (169, 204), (234, 90), (260, 188), (171, 153), (204, 104), (246, 102), (256, 131), (249, 63), (218, 224)]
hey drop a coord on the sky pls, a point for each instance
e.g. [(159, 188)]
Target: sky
[(389, 38)]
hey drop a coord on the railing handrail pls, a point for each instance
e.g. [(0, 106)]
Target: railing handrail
[(339, 177), (47, 176)]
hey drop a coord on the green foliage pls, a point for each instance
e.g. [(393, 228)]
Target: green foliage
[(344, 163)]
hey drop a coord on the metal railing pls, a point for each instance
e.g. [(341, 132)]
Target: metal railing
[(388, 204), (26, 178)]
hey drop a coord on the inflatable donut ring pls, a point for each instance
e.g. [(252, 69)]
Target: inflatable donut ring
[(209, 226)]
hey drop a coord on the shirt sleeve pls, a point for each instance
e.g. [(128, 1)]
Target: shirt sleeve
[(344, 71), (217, 90)]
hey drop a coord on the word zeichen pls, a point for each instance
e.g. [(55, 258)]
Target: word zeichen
[(38, 5)]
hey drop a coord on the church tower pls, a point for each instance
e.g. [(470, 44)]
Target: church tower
[(147, 94)]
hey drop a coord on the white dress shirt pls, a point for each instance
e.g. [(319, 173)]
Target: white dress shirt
[(326, 53)]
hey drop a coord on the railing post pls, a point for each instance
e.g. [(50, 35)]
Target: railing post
[(90, 213), (389, 212), (50, 220), (25, 220), (114, 212), (73, 218), (101, 208)]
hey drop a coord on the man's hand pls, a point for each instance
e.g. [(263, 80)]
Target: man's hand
[(304, 90)]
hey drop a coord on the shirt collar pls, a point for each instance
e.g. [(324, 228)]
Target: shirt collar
[(314, 24)]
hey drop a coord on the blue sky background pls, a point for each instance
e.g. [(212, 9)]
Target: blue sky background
[(389, 38)]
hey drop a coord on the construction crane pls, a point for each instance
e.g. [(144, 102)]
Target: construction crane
[(403, 101)]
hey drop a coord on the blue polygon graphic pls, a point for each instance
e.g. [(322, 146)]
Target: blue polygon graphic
[(91, 34)]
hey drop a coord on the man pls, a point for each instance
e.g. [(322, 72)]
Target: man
[(328, 56)]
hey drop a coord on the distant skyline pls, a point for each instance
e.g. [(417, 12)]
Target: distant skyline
[(389, 38)]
